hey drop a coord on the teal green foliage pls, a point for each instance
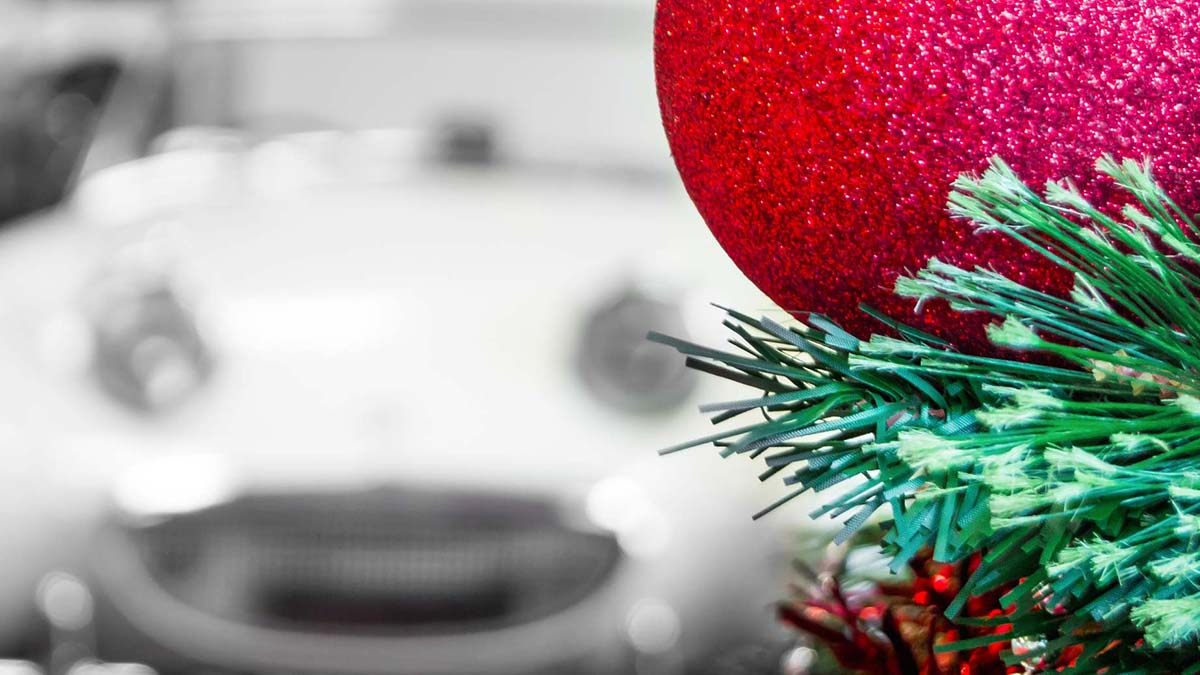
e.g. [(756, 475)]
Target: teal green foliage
[(1072, 466)]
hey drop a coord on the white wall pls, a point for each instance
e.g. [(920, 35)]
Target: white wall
[(565, 80)]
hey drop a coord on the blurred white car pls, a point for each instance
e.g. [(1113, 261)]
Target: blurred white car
[(314, 404), (375, 401)]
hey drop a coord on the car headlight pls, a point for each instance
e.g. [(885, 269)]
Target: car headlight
[(621, 367), (147, 351)]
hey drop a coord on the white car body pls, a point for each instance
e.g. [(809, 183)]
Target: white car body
[(412, 327)]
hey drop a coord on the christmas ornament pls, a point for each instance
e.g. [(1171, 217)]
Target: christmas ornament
[(819, 137)]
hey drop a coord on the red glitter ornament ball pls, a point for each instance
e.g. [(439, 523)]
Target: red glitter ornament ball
[(819, 138)]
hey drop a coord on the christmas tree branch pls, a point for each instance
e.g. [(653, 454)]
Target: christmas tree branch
[(1072, 466)]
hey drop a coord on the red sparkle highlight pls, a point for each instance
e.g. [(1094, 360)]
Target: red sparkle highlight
[(941, 583)]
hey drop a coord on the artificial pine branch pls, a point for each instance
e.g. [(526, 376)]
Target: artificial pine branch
[(1072, 467)]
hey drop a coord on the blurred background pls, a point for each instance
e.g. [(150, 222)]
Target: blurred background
[(321, 349)]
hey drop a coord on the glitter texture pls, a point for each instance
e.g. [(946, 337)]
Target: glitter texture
[(819, 139)]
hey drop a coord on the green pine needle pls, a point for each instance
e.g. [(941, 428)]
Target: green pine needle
[(1074, 469)]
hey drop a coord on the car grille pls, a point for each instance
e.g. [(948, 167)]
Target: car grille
[(387, 562)]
